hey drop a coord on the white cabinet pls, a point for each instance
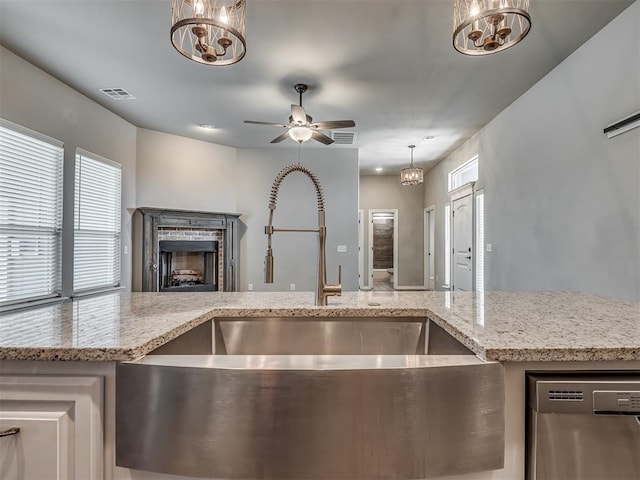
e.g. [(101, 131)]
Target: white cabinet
[(43, 449), (61, 427)]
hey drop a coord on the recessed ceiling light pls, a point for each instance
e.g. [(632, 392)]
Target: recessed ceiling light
[(378, 169), (207, 126), (429, 137)]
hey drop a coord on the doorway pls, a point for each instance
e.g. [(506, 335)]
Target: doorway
[(429, 248), (383, 249)]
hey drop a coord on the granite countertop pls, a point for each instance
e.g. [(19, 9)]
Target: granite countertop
[(502, 326)]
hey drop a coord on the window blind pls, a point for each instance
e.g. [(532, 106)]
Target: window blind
[(30, 214), (447, 245), (479, 241), (96, 256)]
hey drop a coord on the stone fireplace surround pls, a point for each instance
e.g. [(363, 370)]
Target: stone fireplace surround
[(150, 225)]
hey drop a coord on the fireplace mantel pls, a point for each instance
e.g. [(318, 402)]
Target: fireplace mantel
[(149, 224)]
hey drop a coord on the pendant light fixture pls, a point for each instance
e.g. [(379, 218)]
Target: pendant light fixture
[(411, 175), (481, 27), (209, 31)]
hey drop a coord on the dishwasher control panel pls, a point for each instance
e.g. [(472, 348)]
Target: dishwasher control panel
[(616, 402)]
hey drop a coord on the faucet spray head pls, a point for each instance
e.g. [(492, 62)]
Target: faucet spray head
[(268, 266)]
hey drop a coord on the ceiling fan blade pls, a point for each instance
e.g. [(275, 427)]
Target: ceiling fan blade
[(282, 137), (266, 123), (321, 137), (298, 114), (330, 125)]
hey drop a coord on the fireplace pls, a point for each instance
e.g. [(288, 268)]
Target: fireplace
[(178, 250), (188, 266)]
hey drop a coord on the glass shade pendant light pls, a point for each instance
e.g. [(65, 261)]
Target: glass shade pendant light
[(209, 31), (481, 27), (300, 134), (411, 175)]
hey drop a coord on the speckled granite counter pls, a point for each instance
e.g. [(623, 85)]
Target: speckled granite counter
[(503, 326)]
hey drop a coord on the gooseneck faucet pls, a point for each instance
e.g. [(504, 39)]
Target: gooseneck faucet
[(323, 289)]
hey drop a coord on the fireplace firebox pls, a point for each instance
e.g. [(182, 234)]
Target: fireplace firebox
[(188, 266)]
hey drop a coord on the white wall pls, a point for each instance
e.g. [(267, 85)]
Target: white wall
[(295, 254), (561, 200), (181, 173), (386, 191), (36, 100)]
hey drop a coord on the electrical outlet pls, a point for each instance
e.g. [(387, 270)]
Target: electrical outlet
[(293, 287), (489, 247), (342, 248), (126, 250), (250, 287)]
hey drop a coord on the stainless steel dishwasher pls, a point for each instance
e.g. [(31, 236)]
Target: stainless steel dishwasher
[(583, 426)]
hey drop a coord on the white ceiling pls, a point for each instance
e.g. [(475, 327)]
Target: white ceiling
[(387, 64)]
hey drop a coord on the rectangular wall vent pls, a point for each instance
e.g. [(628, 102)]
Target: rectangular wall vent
[(117, 93), (341, 137), (566, 395)]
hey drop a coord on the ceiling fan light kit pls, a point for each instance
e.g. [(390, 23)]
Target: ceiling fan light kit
[(211, 32), (411, 175), (301, 126), (300, 134), (481, 27)]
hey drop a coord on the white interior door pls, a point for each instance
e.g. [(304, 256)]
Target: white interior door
[(462, 243)]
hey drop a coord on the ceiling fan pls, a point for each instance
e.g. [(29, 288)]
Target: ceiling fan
[(301, 128)]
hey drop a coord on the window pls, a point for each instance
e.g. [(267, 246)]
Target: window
[(479, 241), (96, 254), (30, 214), (465, 173), (447, 245)]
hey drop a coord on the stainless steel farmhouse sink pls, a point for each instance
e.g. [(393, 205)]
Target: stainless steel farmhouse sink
[(324, 398)]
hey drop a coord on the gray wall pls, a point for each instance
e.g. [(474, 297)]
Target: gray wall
[(385, 191), (185, 174), (561, 200), (36, 100), (295, 254)]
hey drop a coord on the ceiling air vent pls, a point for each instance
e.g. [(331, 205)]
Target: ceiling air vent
[(117, 93), (343, 138)]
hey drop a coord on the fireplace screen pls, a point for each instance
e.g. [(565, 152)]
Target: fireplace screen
[(188, 266)]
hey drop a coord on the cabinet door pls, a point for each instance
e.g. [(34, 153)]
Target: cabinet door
[(65, 411), (43, 448)]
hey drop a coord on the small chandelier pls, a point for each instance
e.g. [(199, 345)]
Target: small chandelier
[(481, 27), (411, 175), (209, 31)]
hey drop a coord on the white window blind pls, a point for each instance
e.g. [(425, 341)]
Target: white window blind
[(30, 214), (96, 256), (479, 256), (447, 245)]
